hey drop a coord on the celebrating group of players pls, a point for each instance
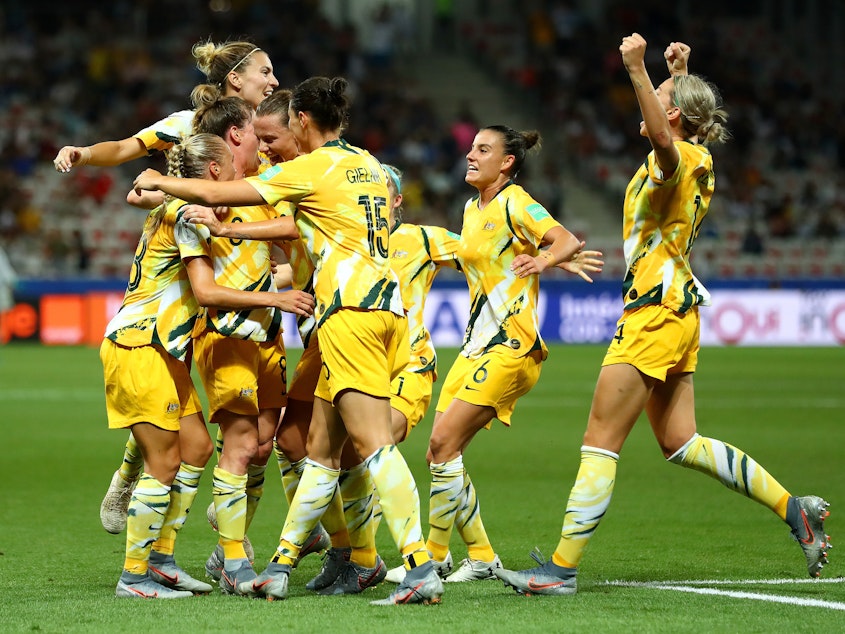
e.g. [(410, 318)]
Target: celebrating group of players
[(253, 168)]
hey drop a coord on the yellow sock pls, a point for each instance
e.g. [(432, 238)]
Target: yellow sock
[(588, 502), (400, 501), (290, 479), (144, 519), (315, 492), (182, 494), (733, 468), (357, 492), (229, 493), (469, 524), (254, 489), (133, 461), (334, 522), (447, 484)]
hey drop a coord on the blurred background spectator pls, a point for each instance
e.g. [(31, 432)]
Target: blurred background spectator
[(86, 71)]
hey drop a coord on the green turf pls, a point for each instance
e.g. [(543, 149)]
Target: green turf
[(58, 568)]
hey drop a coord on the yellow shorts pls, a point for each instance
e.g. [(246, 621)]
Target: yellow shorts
[(410, 393), (362, 350), (239, 375), (146, 385), (496, 379), (307, 373), (656, 340)]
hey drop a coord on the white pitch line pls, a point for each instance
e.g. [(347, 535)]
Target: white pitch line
[(756, 596), (729, 582)]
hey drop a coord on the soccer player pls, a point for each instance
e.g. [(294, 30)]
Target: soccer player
[(341, 199), (240, 356), (417, 253), (500, 360), (650, 361), (234, 68), (148, 385)]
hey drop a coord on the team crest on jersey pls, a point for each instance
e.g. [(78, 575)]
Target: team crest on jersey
[(399, 254), (172, 407), (247, 392), (489, 226)]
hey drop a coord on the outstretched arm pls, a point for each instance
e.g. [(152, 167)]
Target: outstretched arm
[(200, 190), (103, 154), (282, 228), (654, 115)]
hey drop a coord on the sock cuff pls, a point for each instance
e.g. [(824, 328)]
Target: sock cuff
[(355, 470), (377, 454), (599, 451), (450, 467), (230, 479), (191, 469), (678, 456), (256, 470), (321, 467), (148, 485)]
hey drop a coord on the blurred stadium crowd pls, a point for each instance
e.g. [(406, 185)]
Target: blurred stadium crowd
[(87, 72)]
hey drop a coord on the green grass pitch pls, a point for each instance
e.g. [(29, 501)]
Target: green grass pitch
[(784, 407)]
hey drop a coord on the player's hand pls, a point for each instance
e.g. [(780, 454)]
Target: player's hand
[(69, 156), (297, 302), (148, 179), (202, 215), (677, 58), (633, 51), (524, 265), (582, 262)]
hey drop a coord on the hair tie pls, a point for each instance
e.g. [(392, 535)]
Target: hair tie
[(394, 177)]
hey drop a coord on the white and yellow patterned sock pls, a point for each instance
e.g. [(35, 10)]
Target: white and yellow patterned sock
[(254, 490), (357, 493), (400, 502), (133, 462), (286, 471), (183, 491), (447, 488), (469, 525), (333, 520), (314, 494), (229, 494), (144, 519), (733, 468), (588, 502)]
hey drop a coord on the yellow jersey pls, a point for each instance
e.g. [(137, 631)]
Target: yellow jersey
[(503, 309), (662, 218), (416, 254), (241, 264), (158, 306), (341, 214)]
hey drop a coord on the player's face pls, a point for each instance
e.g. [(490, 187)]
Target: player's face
[(276, 140), (257, 79), (246, 152), (664, 94), (486, 159)]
